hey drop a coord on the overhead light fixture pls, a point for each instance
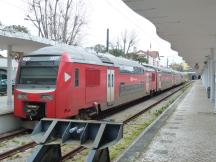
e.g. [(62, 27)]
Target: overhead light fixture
[(196, 66)]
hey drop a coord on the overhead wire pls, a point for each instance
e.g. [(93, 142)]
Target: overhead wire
[(13, 5), (133, 21), (136, 24)]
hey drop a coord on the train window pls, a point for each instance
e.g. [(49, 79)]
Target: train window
[(109, 80), (38, 75), (112, 80), (138, 70), (131, 70), (76, 78), (126, 69), (153, 77)]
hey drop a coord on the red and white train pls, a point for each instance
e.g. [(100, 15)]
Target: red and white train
[(61, 82)]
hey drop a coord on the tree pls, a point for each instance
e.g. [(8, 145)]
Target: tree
[(58, 20), (136, 57), (125, 42), (16, 28), (142, 60), (116, 52), (177, 67), (99, 48), (128, 41)]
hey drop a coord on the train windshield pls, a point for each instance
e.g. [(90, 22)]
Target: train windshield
[(38, 72), (38, 75)]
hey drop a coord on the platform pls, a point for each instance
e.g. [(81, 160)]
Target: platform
[(7, 120), (187, 135), (4, 108)]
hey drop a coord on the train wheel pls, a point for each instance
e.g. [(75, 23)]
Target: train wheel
[(154, 93), (151, 93)]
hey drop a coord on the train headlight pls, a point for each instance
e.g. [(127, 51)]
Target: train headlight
[(26, 58), (47, 97), (54, 58), (22, 96)]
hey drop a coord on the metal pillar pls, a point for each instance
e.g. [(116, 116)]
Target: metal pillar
[(107, 41), (9, 78)]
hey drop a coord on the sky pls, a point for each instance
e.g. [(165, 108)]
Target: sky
[(101, 14)]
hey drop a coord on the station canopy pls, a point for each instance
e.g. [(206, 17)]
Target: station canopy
[(189, 25), (22, 42)]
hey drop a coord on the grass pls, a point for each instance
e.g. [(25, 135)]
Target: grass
[(130, 133), (132, 130)]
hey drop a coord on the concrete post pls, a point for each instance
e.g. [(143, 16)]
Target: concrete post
[(212, 76), (209, 71), (204, 78), (207, 74), (9, 78)]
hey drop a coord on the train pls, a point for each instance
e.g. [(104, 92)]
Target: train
[(65, 82)]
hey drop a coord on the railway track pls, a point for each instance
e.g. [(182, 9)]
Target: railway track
[(13, 151), (7, 136), (11, 135), (79, 149)]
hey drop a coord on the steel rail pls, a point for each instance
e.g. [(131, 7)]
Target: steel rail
[(152, 105), (13, 151), (81, 148), (9, 135), (77, 150)]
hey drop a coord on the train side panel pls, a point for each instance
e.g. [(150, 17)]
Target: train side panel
[(130, 87), (86, 85)]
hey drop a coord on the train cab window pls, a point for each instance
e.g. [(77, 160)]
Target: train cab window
[(76, 77)]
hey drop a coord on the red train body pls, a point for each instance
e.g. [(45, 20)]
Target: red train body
[(59, 82)]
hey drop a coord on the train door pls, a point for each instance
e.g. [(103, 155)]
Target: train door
[(159, 81), (110, 86), (147, 82)]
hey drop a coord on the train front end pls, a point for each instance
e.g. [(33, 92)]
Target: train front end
[(35, 89)]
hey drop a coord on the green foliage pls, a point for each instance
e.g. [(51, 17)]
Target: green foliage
[(16, 28), (136, 57), (177, 67), (99, 48), (116, 52), (130, 133), (142, 60)]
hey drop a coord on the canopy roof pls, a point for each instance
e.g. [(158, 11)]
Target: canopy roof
[(22, 42), (189, 25)]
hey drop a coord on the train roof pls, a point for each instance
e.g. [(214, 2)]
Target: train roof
[(119, 61), (163, 69), (77, 54), (81, 55)]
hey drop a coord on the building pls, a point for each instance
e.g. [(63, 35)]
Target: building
[(152, 57)]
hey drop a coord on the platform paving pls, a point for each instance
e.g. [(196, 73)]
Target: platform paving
[(4, 108), (189, 134)]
